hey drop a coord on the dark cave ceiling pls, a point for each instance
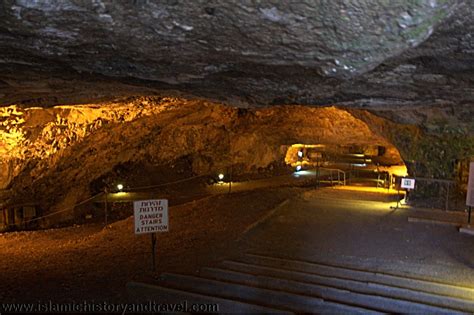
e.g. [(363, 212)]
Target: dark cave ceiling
[(370, 53)]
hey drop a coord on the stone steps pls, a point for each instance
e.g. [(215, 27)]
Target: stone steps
[(371, 277), (376, 303), (380, 292), (263, 284), (142, 292), (256, 295)]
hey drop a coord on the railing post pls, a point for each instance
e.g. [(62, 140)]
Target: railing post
[(469, 216), (106, 192), (446, 206)]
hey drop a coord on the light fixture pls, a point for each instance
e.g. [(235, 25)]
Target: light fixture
[(120, 187), (220, 176), (300, 154), (298, 168)]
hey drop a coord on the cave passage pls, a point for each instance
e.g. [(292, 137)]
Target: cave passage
[(308, 183), (57, 157)]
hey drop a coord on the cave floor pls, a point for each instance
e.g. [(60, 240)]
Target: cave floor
[(90, 262), (347, 227), (358, 229)]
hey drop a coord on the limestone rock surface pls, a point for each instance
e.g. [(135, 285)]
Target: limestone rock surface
[(355, 52)]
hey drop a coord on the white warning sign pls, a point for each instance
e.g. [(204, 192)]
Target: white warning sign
[(151, 216), (470, 186), (408, 183)]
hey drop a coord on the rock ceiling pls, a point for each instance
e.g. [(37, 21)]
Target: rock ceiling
[(370, 53)]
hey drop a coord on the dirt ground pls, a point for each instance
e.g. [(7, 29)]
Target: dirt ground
[(89, 262)]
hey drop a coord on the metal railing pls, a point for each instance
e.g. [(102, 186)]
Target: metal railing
[(336, 173), (25, 223), (437, 194)]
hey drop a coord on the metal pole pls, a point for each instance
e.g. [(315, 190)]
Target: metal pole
[(230, 157), (106, 192), (469, 217), (153, 253), (230, 179), (446, 206), (5, 221), (317, 173), (398, 197)]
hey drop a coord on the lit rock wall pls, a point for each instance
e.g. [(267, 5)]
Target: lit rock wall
[(51, 156), (39, 137), (432, 141)]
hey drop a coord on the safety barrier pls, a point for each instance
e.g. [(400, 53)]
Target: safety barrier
[(7, 225), (336, 173), (438, 194)]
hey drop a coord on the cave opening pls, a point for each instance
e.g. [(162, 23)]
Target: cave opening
[(368, 165)]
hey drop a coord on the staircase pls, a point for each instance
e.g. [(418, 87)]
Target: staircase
[(263, 284)]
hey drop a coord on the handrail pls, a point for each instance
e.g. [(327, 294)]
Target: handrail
[(339, 172), (101, 193)]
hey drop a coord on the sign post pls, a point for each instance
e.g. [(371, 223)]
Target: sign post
[(151, 216), (406, 183), (318, 156), (470, 192), (153, 250)]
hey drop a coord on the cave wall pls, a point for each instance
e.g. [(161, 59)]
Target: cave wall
[(53, 155), (432, 140)]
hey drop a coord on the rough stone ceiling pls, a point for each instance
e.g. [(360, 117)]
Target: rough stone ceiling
[(372, 53)]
